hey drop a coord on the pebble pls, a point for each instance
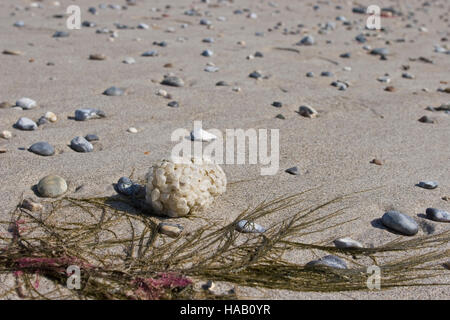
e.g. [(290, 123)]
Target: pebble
[(280, 116), (5, 105), (377, 162), (310, 74), (6, 134), (132, 130), (12, 52), (2, 150), (26, 103), (50, 116), (438, 215), (86, 114), (326, 74), (52, 186), (208, 40), (25, 124), (127, 187), (211, 69), (306, 41), (173, 104), (92, 137), (19, 24), (428, 184), (207, 53), (114, 91), (97, 56), (32, 206), (150, 53), (42, 149), (361, 38), (328, 261), (307, 111), (42, 120), (60, 34), (222, 84), (245, 226), (143, 26), (171, 230), (400, 223), (129, 60), (346, 55), (255, 75), (380, 51), (294, 171), (426, 119), (407, 75), (277, 104), (390, 89), (384, 79), (173, 81), (199, 134), (344, 243), (80, 144)]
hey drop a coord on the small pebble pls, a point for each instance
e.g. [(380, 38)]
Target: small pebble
[(97, 56), (80, 144), (426, 119), (277, 104), (129, 60), (127, 187), (428, 184), (50, 116), (171, 230), (327, 261), (5, 105), (380, 51), (150, 53), (25, 124), (255, 75), (438, 215), (389, 89), (60, 34), (86, 114), (307, 111), (173, 81), (377, 162), (294, 171), (6, 134), (42, 149), (347, 243), (114, 91), (222, 84), (310, 74), (92, 137), (245, 226), (400, 223), (26, 103), (306, 41), (173, 104), (207, 53), (132, 130), (326, 74), (52, 186), (211, 69), (280, 116)]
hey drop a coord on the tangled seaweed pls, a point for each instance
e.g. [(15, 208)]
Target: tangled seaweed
[(136, 262)]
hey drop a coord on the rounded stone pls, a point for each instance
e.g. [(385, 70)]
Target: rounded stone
[(400, 222), (329, 261), (42, 149), (80, 144), (26, 124), (52, 186), (438, 215)]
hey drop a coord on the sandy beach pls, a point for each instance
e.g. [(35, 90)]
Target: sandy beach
[(333, 151)]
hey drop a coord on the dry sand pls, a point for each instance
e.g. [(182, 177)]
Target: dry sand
[(333, 151)]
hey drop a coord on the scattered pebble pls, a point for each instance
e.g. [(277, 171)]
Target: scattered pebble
[(86, 114), (114, 91), (26, 103), (52, 186), (5, 105), (171, 230), (344, 243), (150, 53), (92, 137), (207, 53), (294, 171), (97, 56), (173, 104), (428, 184), (255, 75), (438, 215), (400, 223), (307, 111), (307, 41), (327, 261), (426, 119), (245, 226), (277, 104), (377, 162), (173, 81), (132, 130), (127, 187), (129, 60), (42, 149), (80, 144), (5, 134), (25, 124)]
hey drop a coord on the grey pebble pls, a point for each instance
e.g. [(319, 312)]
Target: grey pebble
[(294, 171), (438, 215), (207, 53), (426, 119), (310, 74), (277, 104), (25, 124), (80, 144), (211, 69), (428, 184), (42, 149), (114, 91), (245, 226), (52, 186), (127, 187), (328, 261), (92, 137), (255, 75), (222, 83), (326, 74), (150, 53), (60, 34), (173, 81), (400, 222), (380, 51), (344, 243), (307, 41), (86, 114), (173, 104)]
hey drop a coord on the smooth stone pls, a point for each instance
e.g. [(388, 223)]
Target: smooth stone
[(25, 124), (150, 53), (438, 215), (361, 38), (426, 119), (280, 116), (172, 230), (173, 104), (97, 56), (199, 134), (277, 104), (50, 116), (346, 55), (327, 261), (19, 24), (307, 111), (307, 41), (127, 187), (255, 75), (211, 69), (326, 74), (173, 81), (80, 144), (143, 26), (310, 74), (245, 226), (52, 186), (88, 24), (129, 60), (407, 75), (42, 149), (86, 114), (207, 53), (294, 171), (5, 134), (400, 222), (258, 54), (42, 120), (92, 137), (222, 84), (60, 34), (428, 184), (114, 91), (208, 40), (344, 243), (132, 130), (380, 51), (26, 103)]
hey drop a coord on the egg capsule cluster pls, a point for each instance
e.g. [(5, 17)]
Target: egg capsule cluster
[(178, 187)]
